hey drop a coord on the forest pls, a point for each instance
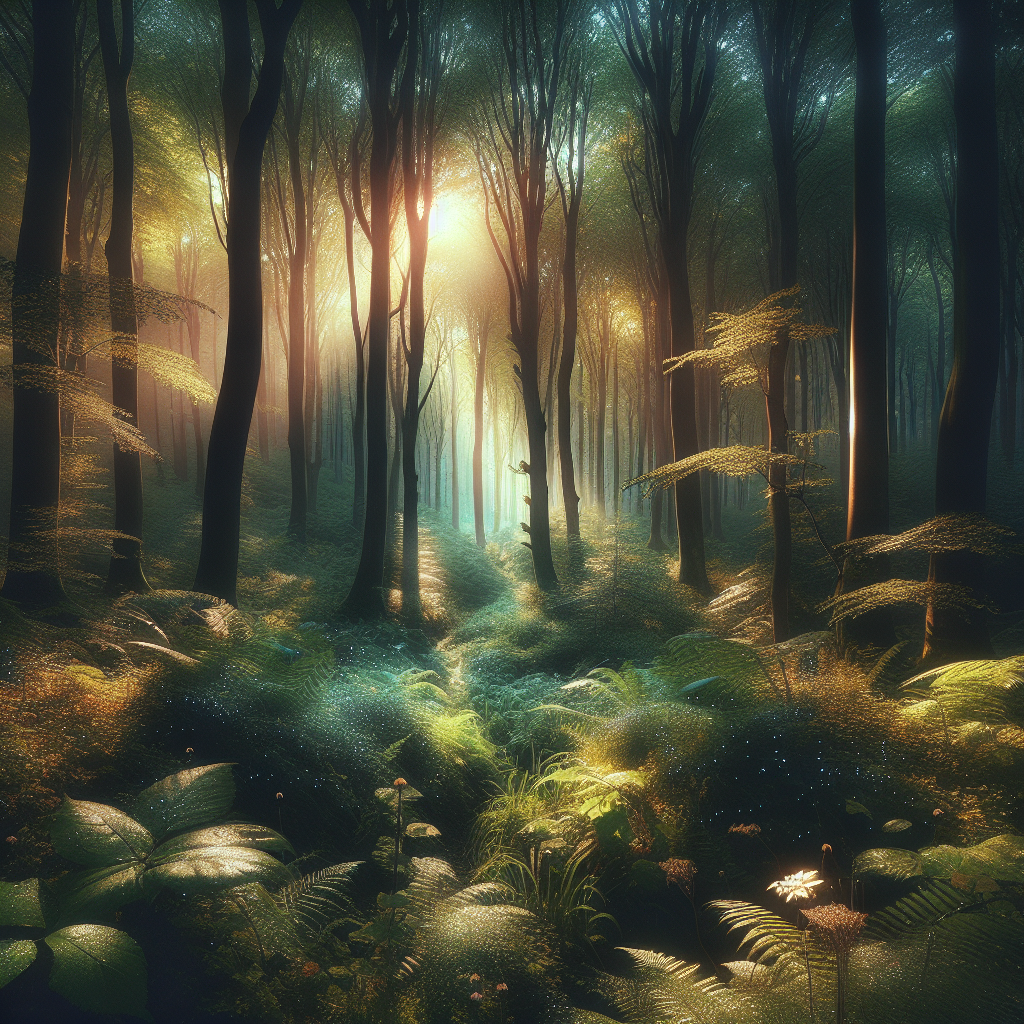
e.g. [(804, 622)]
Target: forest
[(512, 512)]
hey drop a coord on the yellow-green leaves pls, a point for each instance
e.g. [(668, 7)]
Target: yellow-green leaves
[(96, 835)]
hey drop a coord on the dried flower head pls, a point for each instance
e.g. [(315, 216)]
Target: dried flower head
[(745, 830), (399, 783), (189, 750), (937, 812), (797, 887), (11, 839), (476, 996), (825, 848), (501, 987), (678, 871), (279, 796), (837, 925), (474, 978), (310, 968)]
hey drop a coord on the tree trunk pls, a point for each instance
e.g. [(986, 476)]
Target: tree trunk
[(483, 329), (456, 518), (33, 567), (217, 572), (567, 358), (961, 471)]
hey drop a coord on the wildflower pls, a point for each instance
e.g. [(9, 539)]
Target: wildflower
[(477, 996), (745, 830), (474, 978), (501, 987), (797, 887), (837, 925)]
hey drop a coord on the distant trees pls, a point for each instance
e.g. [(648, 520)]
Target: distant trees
[(246, 125)]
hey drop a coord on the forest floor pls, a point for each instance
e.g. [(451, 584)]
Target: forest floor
[(617, 723)]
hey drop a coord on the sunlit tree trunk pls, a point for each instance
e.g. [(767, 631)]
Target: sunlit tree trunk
[(482, 331), (33, 569), (961, 469)]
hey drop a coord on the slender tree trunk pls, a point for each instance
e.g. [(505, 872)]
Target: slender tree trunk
[(33, 564), (656, 541), (961, 471), (483, 329), (246, 137), (456, 518), (567, 358)]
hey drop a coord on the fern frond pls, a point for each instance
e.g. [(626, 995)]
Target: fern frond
[(734, 460), (882, 595), (960, 532), (767, 938), (316, 901)]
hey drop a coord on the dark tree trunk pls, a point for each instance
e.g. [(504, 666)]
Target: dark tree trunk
[(383, 31), (125, 572), (961, 471), (246, 129), (656, 540), (33, 569), (567, 356), (868, 495)]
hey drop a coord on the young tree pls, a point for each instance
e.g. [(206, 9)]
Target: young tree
[(534, 38), (246, 126), (33, 573), (673, 54), (961, 467)]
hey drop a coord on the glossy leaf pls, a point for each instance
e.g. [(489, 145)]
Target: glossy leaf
[(15, 956), (186, 799), (96, 835), (99, 969), (896, 825), (421, 830), (1000, 858), (240, 834), (210, 868), (19, 904), (898, 865), (100, 891)]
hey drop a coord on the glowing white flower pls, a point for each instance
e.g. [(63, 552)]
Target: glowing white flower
[(797, 887)]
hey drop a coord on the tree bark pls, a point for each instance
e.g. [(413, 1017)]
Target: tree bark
[(961, 470), (217, 573), (33, 565), (868, 494)]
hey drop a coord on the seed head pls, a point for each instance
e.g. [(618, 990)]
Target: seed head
[(501, 987), (477, 996), (837, 925), (400, 783)]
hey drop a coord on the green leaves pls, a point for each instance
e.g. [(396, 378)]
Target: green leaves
[(1000, 858), (96, 835), (126, 863), (186, 799), (15, 956), (99, 969), (19, 904)]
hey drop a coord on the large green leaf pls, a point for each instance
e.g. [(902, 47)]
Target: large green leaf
[(209, 868), (236, 833), (1000, 858), (96, 835), (898, 865), (85, 895), (186, 799), (19, 904), (15, 956), (99, 969)]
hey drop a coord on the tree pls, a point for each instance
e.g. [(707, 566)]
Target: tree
[(534, 39), (783, 31), (868, 507), (673, 56), (961, 467), (570, 190), (246, 126), (427, 63), (383, 33), (33, 573), (125, 571)]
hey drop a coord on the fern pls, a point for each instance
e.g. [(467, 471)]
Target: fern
[(962, 532), (316, 901), (768, 939), (882, 595)]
